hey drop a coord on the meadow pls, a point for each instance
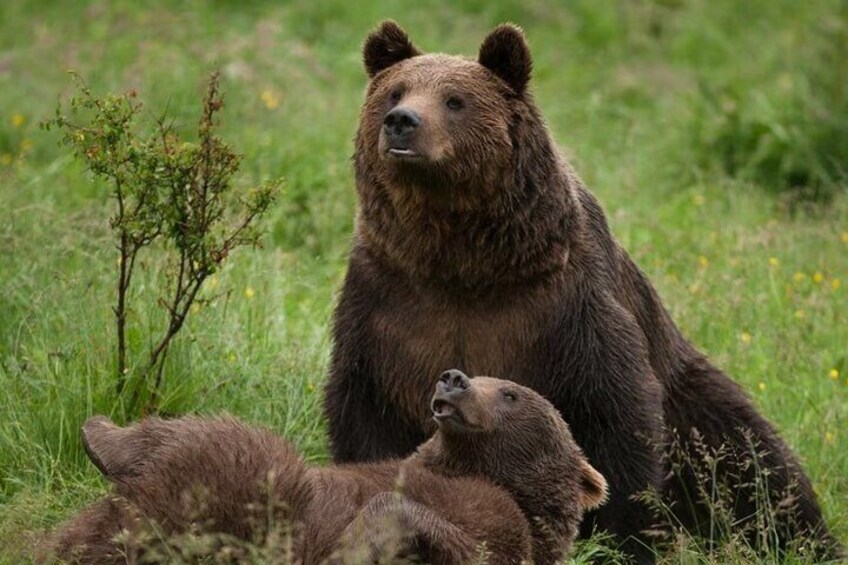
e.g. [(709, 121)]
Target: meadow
[(714, 133)]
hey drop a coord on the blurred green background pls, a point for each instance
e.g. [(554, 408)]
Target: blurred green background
[(715, 133)]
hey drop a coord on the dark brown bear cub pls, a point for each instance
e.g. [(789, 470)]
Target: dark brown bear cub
[(501, 477), (477, 246)]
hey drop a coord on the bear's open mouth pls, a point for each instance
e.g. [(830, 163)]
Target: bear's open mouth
[(444, 410), (450, 418)]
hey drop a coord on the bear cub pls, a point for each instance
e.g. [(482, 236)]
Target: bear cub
[(501, 476)]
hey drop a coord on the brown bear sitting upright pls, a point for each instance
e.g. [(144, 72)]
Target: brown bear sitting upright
[(477, 246), (501, 475)]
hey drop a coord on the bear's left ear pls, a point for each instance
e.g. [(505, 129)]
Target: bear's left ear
[(505, 53), (385, 46), (593, 486), (110, 447)]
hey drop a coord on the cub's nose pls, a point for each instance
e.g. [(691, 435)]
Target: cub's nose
[(454, 381), (401, 121)]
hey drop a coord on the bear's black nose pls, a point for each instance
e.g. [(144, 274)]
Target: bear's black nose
[(454, 381), (401, 120)]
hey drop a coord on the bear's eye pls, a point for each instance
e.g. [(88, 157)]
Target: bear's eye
[(395, 96), (455, 103), (510, 395)]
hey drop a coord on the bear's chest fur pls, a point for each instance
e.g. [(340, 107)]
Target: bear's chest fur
[(427, 331)]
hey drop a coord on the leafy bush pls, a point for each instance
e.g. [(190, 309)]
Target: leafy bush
[(168, 191)]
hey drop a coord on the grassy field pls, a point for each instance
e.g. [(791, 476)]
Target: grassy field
[(692, 121)]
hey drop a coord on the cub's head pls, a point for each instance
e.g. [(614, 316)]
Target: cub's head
[(516, 438), (441, 122)]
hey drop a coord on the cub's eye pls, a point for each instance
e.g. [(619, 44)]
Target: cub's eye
[(455, 103), (394, 97), (510, 396)]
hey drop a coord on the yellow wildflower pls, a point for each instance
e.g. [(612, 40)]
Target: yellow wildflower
[(833, 374), (835, 284), (249, 293), (6, 159), (800, 314), (773, 262), (698, 199), (829, 437), (18, 120), (798, 276), (703, 262), (310, 387), (761, 386), (232, 358), (270, 99), (818, 277), (745, 338), (845, 237)]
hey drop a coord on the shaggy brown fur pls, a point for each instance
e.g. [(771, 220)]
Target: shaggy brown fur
[(477, 246), (501, 473)]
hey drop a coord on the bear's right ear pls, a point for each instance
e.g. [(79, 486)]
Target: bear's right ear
[(114, 450), (385, 46), (593, 487), (506, 54)]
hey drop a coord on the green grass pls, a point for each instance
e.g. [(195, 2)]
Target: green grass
[(637, 93)]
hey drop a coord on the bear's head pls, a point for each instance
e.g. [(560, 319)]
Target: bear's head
[(516, 438), (459, 181), (443, 124)]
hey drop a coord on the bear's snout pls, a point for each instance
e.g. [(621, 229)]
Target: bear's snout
[(453, 381), (400, 122)]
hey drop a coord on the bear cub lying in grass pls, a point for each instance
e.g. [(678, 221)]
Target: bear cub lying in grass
[(501, 477)]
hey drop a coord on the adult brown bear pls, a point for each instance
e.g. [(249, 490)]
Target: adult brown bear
[(477, 246), (441, 504)]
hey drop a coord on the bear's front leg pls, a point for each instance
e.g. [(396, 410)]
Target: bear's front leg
[(606, 390), (363, 426), (632, 466)]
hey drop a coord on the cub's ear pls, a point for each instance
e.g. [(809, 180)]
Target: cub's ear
[(114, 450), (593, 487), (505, 53), (385, 46)]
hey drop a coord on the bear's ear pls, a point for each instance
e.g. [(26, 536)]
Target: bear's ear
[(385, 46), (593, 487), (113, 450), (505, 53)]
